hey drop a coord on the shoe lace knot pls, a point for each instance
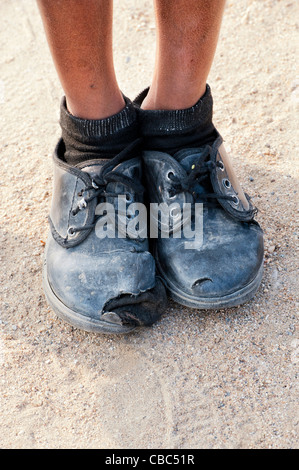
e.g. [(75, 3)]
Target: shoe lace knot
[(198, 173), (99, 182)]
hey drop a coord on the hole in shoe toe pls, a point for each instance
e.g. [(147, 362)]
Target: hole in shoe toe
[(111, 317), (201, 281)]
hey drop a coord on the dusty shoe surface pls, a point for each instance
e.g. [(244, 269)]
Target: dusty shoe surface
[(222, 267), (102, 284)]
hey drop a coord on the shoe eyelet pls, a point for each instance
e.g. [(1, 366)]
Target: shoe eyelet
[(174, 212), (226, 183), (129, 198), (169, 175), (82, 204), (235, 200), (94, 184), (220, 165), (171, 196), (71, 232)]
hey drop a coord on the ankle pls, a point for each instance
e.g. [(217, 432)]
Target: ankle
[(94, 105), (173, 97)]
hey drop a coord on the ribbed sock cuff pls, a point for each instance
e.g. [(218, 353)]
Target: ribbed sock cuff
[(161, 122), (90, 128), (88, 139)]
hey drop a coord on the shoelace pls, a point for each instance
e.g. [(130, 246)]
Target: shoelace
[(107, 175), (199, 172)]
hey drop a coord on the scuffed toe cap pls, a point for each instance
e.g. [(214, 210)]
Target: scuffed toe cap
[(219, 268), (85, 283)]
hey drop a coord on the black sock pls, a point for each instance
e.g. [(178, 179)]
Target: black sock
[(89, 139), (170, 131)]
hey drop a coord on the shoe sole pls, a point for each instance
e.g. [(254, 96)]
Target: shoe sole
[(77, 319), (234, 299)]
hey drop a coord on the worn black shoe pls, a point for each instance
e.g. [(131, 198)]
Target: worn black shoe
[(101, 284), (213, 255), (223, 268)]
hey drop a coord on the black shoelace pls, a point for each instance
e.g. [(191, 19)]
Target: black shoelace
[(200, 171), (108, 175)]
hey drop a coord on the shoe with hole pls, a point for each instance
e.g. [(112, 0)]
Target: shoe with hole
[(96, 283), (212, 256)]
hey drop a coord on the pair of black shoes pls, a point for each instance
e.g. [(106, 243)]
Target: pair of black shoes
[(126, 228)]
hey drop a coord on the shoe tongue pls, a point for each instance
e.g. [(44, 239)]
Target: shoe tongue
[(92, 167), (188, 158)]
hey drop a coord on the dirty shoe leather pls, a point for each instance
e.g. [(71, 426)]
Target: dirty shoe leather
[(225, 269), (106, 284)]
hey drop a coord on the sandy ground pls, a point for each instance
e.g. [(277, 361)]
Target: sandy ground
[(197, 379)]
